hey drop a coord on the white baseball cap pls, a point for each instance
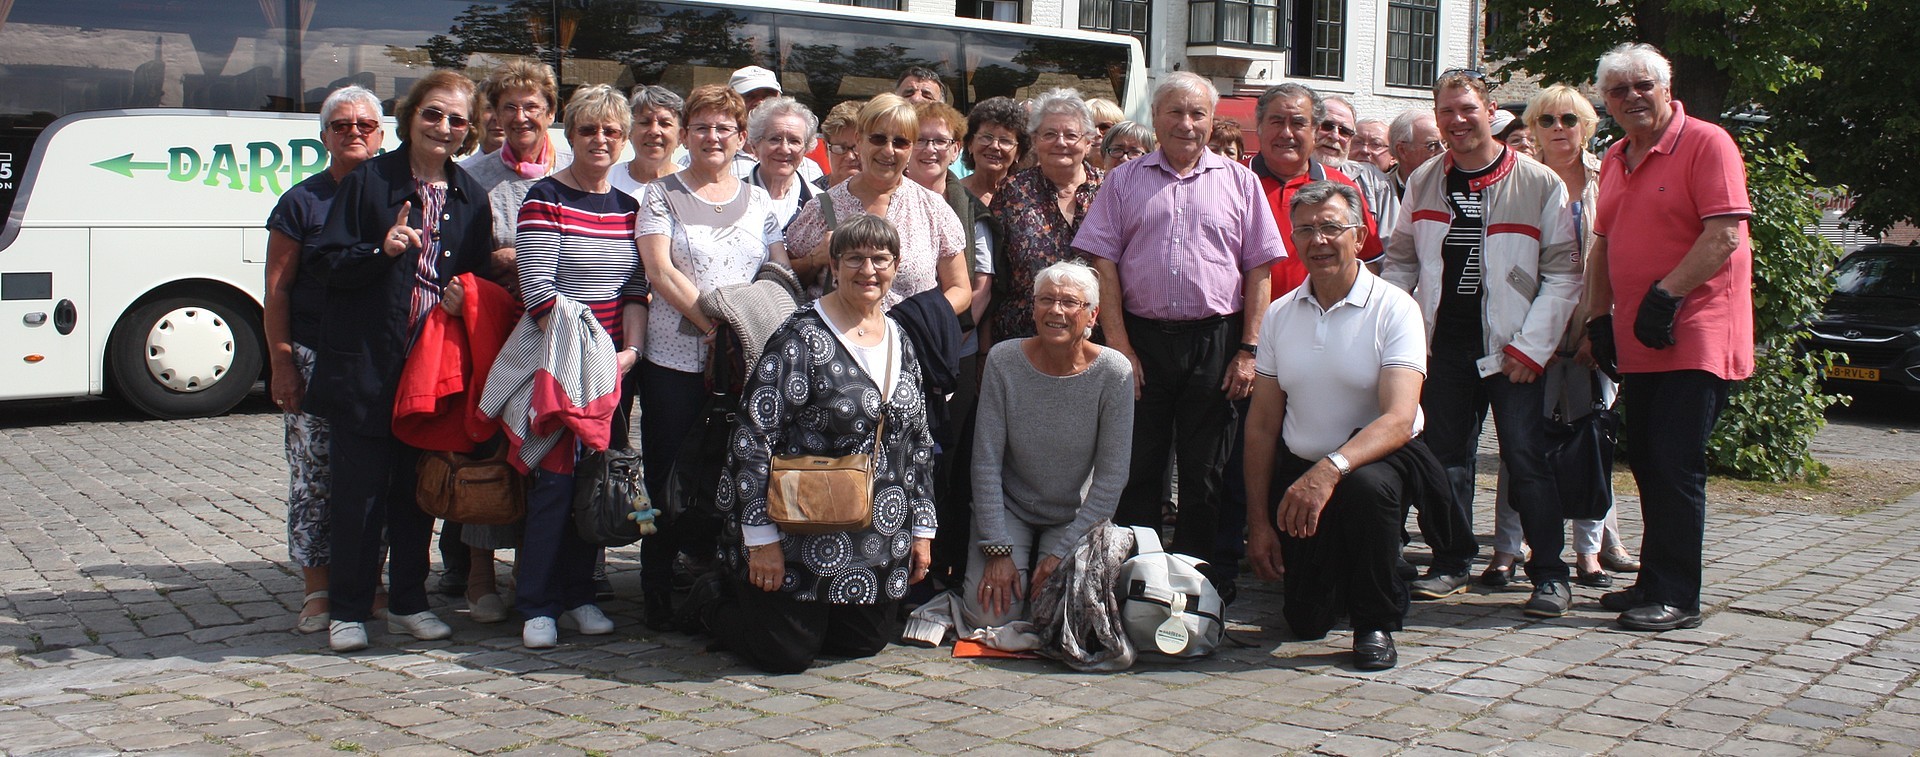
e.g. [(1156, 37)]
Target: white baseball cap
[(1502, 118), (754, 77)]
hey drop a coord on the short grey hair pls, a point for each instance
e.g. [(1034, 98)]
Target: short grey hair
[(776, 107), (1290, 91), (1315, 193), (1401, 130), (1060, 101), (352, 93), (1342, 101), (1368, 122), (1186, 83), (1627, 56), (1072, 274), (1133, 130), (648, 97)]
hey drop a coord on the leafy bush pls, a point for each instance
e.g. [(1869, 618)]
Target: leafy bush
[(1767, 430)]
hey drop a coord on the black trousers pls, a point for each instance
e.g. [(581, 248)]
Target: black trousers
[(1668, 418), (1456, 399), (777, 634), (373, 494), (1347, 566), (1182, 411), (671, 404)]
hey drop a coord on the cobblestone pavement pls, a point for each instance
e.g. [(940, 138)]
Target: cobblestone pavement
[(147, 606)]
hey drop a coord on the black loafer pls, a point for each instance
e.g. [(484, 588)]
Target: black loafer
[(1595, 580), (1658, 618), (1496, 577), (1622, 600), (1373, 650)]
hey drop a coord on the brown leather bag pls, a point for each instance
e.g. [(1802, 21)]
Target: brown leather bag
[(816, 494), (481, 490)]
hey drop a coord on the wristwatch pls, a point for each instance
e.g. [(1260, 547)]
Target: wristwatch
[(997, 550), (1250, 349), (1340, 463)]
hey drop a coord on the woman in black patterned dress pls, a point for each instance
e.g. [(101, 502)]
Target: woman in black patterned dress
[(826, 378)]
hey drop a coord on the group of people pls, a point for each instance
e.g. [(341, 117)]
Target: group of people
[(1035, 317)]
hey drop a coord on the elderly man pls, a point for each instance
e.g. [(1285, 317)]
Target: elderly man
[(1486, 246), (920, 85), (1339, 382), (1334, 132), (1182, 239), (1415, 140), (1287, 115), (1672, 263), (1371, 144)]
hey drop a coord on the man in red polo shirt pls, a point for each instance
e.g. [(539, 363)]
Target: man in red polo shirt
[(1672, 261), (1287, 115)]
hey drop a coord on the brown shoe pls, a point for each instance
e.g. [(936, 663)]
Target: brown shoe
[(1618, 560)]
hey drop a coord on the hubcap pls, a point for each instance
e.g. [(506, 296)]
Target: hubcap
[(189, 349)]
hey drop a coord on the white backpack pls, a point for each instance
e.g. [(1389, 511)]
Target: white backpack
[(1169, 606)]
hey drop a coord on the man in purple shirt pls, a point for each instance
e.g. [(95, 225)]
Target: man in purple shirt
[(1182, 239)]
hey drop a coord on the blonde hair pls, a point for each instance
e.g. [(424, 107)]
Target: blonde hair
[(842, 115), (1561, 96), (890, 109), (598, 104), (1105, 110)]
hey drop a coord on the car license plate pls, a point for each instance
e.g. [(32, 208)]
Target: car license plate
[(1853, 372)]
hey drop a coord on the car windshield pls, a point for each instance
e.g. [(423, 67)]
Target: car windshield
[(1896, 276)]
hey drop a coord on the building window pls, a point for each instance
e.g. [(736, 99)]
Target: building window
[(1241, 23), (1413, 42), (1319, 39), (892, 5), (1116, 17), (991, 10)]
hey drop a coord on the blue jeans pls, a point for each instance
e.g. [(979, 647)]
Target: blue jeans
[(1667, 419), (555, 567), (1455, 400)]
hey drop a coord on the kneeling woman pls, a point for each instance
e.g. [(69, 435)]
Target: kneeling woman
[(827, 378), (1056, 410)]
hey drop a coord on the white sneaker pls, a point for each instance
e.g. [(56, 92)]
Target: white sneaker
[(489, 608), (347, 636), (589, 619), (424, 625), (539, 633)]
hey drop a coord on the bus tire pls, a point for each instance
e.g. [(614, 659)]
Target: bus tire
[(185, 356)]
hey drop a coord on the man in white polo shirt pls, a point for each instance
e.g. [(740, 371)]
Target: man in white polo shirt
[(1338, 381)]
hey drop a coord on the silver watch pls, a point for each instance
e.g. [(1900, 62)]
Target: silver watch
[(1340, 463)]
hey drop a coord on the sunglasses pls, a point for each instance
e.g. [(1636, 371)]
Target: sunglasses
[(1619, 91), (882, 140), (1547, 120), (436, 115), (1462, 72), (342, 126), (589, 131), (1332, 125)]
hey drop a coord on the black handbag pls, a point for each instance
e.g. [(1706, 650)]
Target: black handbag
[(609, 491), (1580, 457)]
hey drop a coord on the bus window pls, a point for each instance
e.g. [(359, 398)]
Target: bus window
[(1023, 67), (385, 46), (631, 42), (844, 59)]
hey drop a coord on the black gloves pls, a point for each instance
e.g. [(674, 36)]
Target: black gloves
[(1600, 344), (1653, 326)]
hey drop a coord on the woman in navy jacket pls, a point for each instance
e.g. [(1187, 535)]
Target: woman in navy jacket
[(402, 225)]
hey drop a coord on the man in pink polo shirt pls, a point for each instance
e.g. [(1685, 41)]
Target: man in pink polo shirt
[(1673, 267)]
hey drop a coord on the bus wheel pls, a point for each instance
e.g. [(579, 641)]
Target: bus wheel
[(185, 357)]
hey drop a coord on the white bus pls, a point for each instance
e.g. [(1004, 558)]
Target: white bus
[(142, 144)]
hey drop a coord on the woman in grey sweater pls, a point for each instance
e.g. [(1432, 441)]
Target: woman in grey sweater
[(1051, 450)]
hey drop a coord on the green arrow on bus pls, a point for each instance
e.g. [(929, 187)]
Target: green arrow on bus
[(125, 165)]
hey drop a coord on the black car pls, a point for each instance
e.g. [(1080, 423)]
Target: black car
[(1873, 318)]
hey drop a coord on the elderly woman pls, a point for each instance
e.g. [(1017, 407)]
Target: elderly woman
[(1561, 122), (350, 130), (1125, 141), (402, 225), (834, 373), (703, 229), (931, 237), (1226, 140), (524, 99), (996, 140), (933, 153), (781, 131), (1041, 207), (575, 240), (1106, 114), (1051, 450), (655, 137), (843, 141)]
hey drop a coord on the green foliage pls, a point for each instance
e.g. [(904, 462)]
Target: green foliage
[(1772, 417)]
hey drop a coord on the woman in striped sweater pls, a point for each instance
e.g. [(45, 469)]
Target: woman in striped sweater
[(574, 239)]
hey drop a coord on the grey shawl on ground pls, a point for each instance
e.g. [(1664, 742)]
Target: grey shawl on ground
[(1077, 613)]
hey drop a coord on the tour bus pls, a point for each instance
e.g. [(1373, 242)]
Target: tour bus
[(142, 144)]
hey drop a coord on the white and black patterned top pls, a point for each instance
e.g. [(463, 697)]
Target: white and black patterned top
[(808, 395), (711, 256)]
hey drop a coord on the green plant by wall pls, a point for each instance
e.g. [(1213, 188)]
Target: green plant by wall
[(1767, 430)]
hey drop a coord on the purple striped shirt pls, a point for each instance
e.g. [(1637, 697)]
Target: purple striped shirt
[(1181, 242)]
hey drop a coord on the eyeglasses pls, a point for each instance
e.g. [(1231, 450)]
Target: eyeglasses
[(1044, 302), (1332, 125), (882, 140), (589, 131), (717, 131), (839, 149), (857, 262), (342, 126), (1321, 231), (528, 109), (933, 143), (1373, 143), (436, 115), (1068, 138), (1547, 120), (1619, 91), (988, 140), (1126, 152), (1434, 146)]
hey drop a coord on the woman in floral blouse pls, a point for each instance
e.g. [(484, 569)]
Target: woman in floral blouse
[(1041, 207)]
